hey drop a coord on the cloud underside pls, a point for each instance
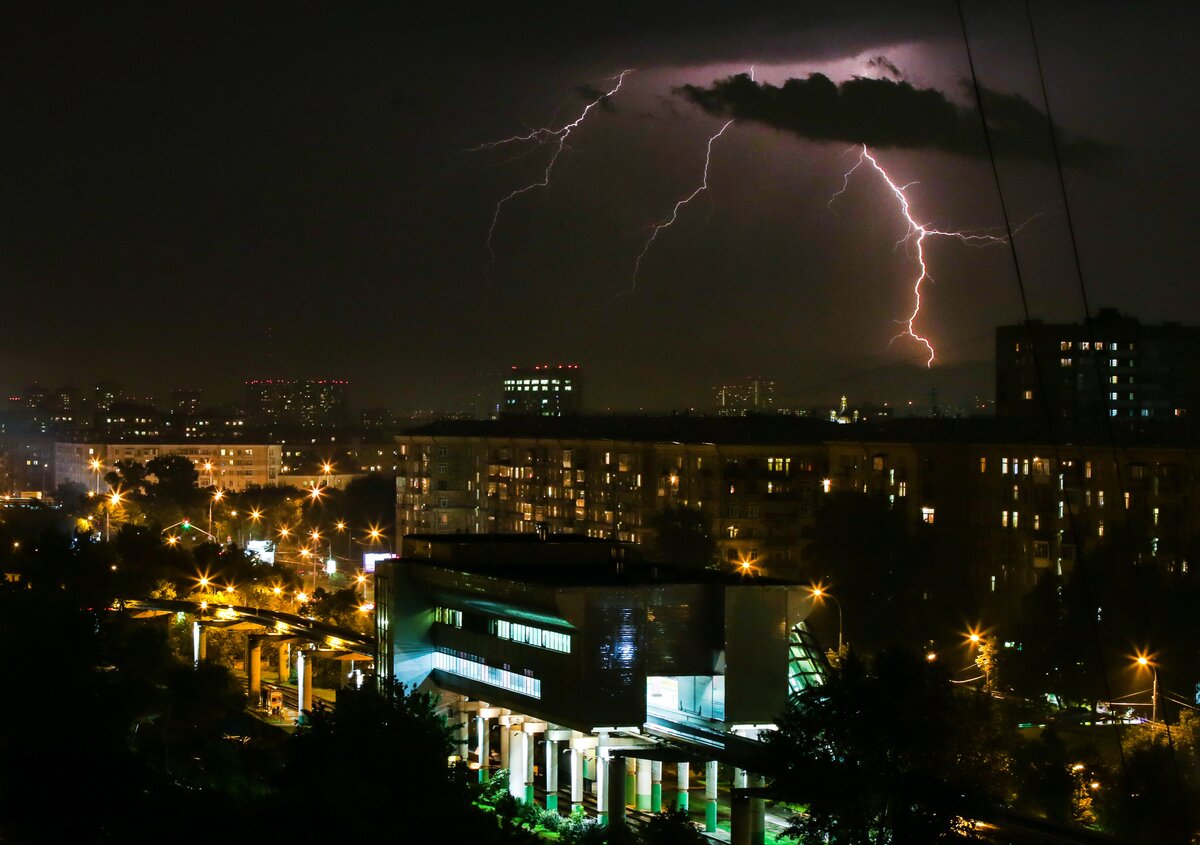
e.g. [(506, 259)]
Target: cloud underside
[(888, 113)]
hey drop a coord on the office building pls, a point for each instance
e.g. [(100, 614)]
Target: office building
[(543, 390)]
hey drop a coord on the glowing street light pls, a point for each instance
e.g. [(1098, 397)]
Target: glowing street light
[(1146, 661), (114, 499), (819, 593), (172, 540), (216, 497), (96, 465)]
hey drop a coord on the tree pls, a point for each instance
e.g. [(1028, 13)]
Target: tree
[(175, 481), (683, 538), (888, 753)]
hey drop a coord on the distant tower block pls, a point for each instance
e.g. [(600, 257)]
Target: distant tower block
[(543, 390)]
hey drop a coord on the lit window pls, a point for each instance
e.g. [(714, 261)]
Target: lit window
[(1004, 519), (927, 515), (902, 488), (983, 464), (1100, 528), (1028, 394)]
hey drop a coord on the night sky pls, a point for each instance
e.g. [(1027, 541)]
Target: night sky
[(198, 195)]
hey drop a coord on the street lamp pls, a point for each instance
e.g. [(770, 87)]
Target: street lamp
[(96, 465), (255, 516), (208, 467), (819, 592), (114, 499), (1145, 661), (216, 497), (340, 525)]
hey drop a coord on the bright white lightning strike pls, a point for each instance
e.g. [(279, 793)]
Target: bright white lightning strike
[(541, 136), (915, 235), (669, 221)]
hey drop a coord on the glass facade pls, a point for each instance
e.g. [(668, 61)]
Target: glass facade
[(806, 666), (474, 670)]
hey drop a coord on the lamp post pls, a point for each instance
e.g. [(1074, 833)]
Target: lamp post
[(340, 525), (96, 465), (1144, 662), (255, 516), (216, 497), (819, 592), (114, 499)]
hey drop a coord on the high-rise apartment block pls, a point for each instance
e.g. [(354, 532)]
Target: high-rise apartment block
[(750, 396), (312, 403), (1110, 366), (543, 390)]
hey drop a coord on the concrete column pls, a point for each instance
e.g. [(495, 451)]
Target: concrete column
[(682, 773), (615, 792), (484, 728), (285, 657), (530, 756), (602, 767), (656, 786), (739, 817), (304, 676), (739, 778), (631, 767), (711, 769), (552, 775), (254, 670), (758, 812), (749, 815), (518, 749), (642, 770), (577, 757), (505, 745), (462, 730), (199, 643)]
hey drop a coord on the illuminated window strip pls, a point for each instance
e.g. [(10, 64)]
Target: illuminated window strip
[(536, 637), (448, 616), (484, 674)]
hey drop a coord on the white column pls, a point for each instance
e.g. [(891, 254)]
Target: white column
[(505, 744), (576, 778), (518, 750), (199, 645), (711, 773), (644, 779), (483, 731), (304, 676), (682, 773), (551, 775), (602, 764), (462, 730)]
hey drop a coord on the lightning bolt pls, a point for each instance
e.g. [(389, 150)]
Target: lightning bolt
[(915, 236), (544, 135), (667, 222)]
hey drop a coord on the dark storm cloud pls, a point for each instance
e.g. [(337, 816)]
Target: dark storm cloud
[(888, 113), (884, 64)]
